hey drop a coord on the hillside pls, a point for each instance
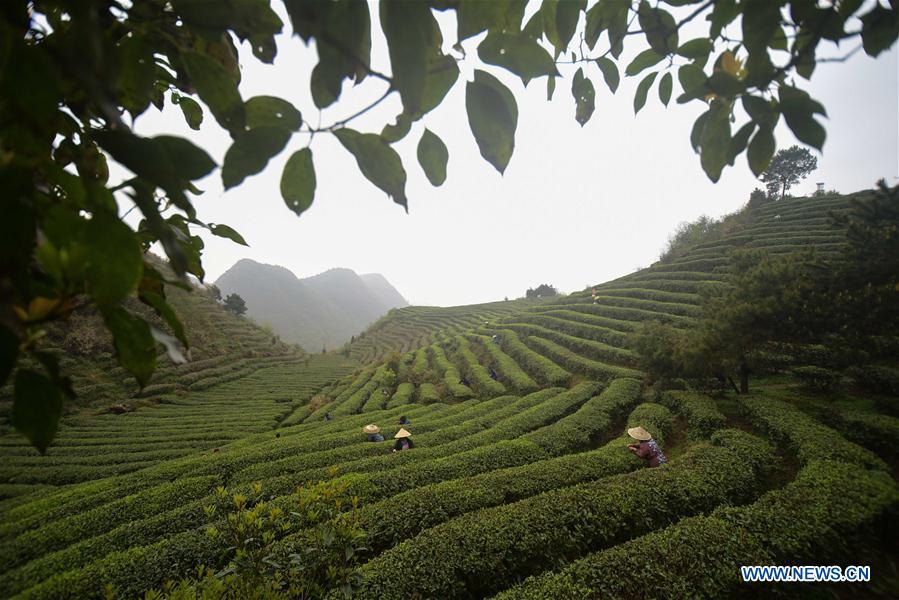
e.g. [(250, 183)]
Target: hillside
[(520, 484), (320, 311)]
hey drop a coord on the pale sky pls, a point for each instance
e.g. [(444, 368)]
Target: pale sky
[(576, 206)]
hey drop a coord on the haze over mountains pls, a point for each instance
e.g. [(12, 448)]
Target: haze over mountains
[(322, 310)]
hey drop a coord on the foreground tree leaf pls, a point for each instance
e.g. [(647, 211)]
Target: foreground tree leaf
[(584, 97), (517, 53), (298, 181), (37, 407), (250, 152), (271, 111), (227, 232), (115, 259), (378, 162), (609, 72), (217, 89), (133, 341), (493, 117), (433, 156)]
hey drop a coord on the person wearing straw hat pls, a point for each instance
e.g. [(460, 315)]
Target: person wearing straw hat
[(403, 440), (373, 432), (646, 447)]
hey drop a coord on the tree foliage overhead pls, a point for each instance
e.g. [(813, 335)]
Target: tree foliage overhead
[(787, 168), (75, 76)]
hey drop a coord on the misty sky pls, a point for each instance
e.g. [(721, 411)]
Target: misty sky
[(577, 206)]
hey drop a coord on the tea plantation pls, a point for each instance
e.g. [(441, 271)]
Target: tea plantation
[(519, 485)]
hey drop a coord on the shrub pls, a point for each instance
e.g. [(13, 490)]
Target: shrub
[(817, 379), (508, 369), (427, 393), (402, 396), (701, 412), (480, 378), (579, 364), (483, 552), (806, 437), (451, 377), (883, 380), (540, 367)]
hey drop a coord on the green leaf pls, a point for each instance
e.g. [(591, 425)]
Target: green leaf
[(9, 352), (761, 150), (189, 161), (642, 61), (696, 131), (739, 141), (217, 89), (443, 71), (560, 19), (696, 49), (115, 259), (643, 90), (193, 113), (550, 88), (475, 16), (609, 72), (659, 27), (298, 181), (271, 111), (760, 22), (879, 29), (37, 407), (493, 118), (137, 74), (715, 139), (412, 37), (797, 108), (397, 131), (133, 341), (606, 15), (378, 162), (584, 97), (725, 84), (762, 111), (665, 85), (164, 310), (433, 156), (517, 53), (343, 39), (250, 152), (227, 232), (692, 80)]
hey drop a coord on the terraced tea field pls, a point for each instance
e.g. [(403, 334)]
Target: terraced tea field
[(519, 485)]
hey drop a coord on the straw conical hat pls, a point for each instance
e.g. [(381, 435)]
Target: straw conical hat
[(402, 433), (638, 433), (372, 428)]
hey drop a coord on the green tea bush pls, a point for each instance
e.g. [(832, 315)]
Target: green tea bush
[(574, 328), (427, 394), (402, 396), (808, 438), (506, 367), (451, 376), (591, 348), (701, 412), (485, 386), (405, 515), (577, 363), (880, 379), (538, 366), (595, 417), (485, 551), (817, 379)]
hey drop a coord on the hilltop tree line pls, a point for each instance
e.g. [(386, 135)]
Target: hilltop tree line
[(851, 306), (75, 76)]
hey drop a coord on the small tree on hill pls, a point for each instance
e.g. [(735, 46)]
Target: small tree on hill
[(787, 168), (214, 292), (235, 304), (544, 290)]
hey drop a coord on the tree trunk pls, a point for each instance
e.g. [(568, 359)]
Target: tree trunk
[(783, 191), (744, 377)]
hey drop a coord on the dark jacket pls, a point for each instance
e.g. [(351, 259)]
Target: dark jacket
[(399, 444), (650, 451)]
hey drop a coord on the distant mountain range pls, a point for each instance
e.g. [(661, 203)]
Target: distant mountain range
[(323, 310)]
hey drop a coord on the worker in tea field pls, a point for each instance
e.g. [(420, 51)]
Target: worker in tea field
[(403, 440), (404, 420), (373, 432), (646, 447)]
